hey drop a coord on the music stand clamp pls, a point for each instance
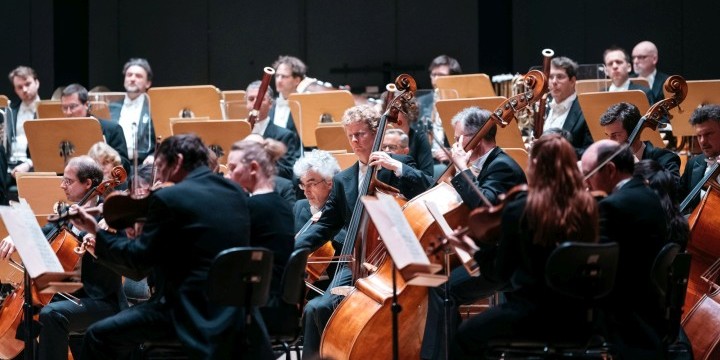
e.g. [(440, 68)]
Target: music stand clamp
[(407, 254)]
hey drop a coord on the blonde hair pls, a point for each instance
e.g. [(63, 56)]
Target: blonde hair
[(103, 153), (266, 153)]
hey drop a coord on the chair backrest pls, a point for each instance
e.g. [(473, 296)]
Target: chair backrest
[(172, 101), (582, 270), (234, 104), (465, 86), (293, 280), (309, 110), (595, 85), (661, 267), (670, 273), (345, 159), (49, 109), (331, 136), (240, 276)]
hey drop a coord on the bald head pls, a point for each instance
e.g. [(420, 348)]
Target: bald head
[(645, 58), (607, 176)]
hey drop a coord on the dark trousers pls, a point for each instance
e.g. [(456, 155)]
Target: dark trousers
[(60, 318), (317, 313)]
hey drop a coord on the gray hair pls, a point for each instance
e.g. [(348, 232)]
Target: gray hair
[(319, 161), (473, 119), (256, 85)]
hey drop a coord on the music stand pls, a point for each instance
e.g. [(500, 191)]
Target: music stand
[(407, 254), (507, 137), (700, 92), (594, 104), (308, 110), (172, 101), (42, 267), (53, 141), (465, 86), (48, 109), (599, 85), (218, 135)]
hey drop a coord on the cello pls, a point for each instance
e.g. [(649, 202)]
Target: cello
[(359, 326), (69, 251)]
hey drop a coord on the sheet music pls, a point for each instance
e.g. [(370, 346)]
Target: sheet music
[(34, 249)]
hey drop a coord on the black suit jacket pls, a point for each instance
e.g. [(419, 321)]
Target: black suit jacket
[(421, 151), (669, 160), (290, 123), (291, 140), (657, 87), (576, 125), (145, 130), (286, 189), (633, 217), (179, 241), (693, 173), (338, 210), (499, 174), (648, 92), (115, 137)]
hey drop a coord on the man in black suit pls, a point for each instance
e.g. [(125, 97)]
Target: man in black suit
[(485, 169), (268, 129), (706, 122), (102, 293), (489, 168), (180, 239), (645, 58), (618, 68), (74, 102), (618, 122), (289, 73), (360, 123), (564, 112), (632, 216)]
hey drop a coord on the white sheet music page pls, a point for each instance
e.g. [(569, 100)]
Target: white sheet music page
[(30, 242)]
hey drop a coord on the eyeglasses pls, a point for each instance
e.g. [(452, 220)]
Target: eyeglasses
[(389, 147), (67, 181), (69, 107), (465, 137), (358, 135), (310, 184), (435, 74), (640, 57)]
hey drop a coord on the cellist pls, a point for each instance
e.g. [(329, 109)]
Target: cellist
[(102, 293), (706, 123), (360, 124), (492, 173)]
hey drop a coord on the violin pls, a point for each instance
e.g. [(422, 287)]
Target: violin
[(122, 210)]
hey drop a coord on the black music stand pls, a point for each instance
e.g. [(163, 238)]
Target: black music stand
[(41, 264), (407, 254), (53, 141)]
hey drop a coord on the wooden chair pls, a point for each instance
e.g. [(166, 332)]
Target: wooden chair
[(465, 86), (598, 85), (172, 101), (331, 136), (49, 109), (594, 104), (234, 104), (345, 159), (307, 109), (99, 109), (520, 155), (507, 137)]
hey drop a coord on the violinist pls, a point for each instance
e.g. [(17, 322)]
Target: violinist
[(492, 173), (555, 208), (180, 239), (633, 217), (706, 123), (102, 293), (360, 123), (618, 122), (315, 173), (268, 129), (252, 166)]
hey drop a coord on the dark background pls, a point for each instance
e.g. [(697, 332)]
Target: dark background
[(227, 42)]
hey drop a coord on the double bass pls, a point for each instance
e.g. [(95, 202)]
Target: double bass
[(360, 326)]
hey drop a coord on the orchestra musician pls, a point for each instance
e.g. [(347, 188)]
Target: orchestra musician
[(360, 123), (102, 293), (251, 165), (283, 186), (555, 208), (564, 108), (289, 73), (618, 122), (315, 172), (492, 172), (180, 239), (633, 217), (268, 129), (706, 123)]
